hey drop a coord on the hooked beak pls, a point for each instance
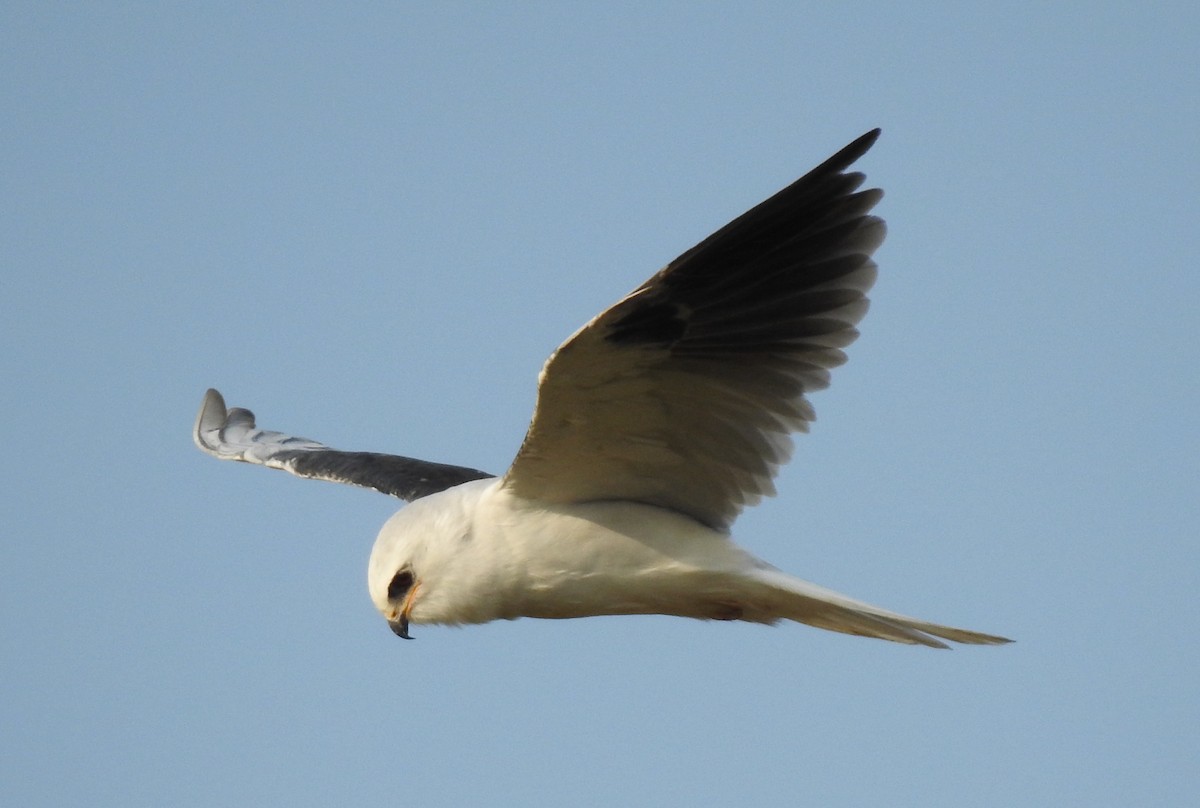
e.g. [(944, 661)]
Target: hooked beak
[(399, 626)]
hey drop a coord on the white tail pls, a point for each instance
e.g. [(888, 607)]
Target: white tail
[(793, 599)]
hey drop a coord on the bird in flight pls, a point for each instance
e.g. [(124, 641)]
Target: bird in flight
[(656, 424)]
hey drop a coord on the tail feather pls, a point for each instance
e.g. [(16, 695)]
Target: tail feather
[(793, 599)]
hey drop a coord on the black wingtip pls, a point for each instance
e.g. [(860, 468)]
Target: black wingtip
[(850, 153), (867, 140)]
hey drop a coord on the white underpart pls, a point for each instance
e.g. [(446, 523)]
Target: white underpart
[(483, 554)]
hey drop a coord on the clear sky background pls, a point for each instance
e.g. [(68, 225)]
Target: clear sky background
[(372, 222)]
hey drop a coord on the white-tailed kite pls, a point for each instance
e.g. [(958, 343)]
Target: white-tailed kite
[(656, 424)]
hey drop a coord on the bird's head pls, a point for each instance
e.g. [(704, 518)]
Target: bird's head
[(397, 572), (421, 567)]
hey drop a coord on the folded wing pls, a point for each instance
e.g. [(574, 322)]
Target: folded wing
[(685, 393)]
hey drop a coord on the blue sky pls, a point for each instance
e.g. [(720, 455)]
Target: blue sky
[(371, 223)]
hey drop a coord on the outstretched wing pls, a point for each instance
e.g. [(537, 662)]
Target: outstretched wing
[(684, 394), (232, 435)]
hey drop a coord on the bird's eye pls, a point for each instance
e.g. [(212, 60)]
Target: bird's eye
[(402, 581)]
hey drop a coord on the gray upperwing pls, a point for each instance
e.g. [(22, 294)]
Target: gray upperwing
[(231, 434)]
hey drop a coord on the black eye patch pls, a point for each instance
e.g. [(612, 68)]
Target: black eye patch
[(401, 583)]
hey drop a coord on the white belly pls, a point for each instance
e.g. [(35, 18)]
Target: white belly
[(598, 558)]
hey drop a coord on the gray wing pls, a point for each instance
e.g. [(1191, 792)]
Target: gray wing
[(685, 393), (232, 435)]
